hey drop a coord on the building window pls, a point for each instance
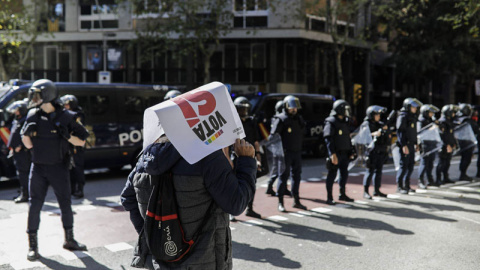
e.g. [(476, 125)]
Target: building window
[(103, 16), (294, 64), (56, 16), (250, 13), (49, 62), (167, 67)]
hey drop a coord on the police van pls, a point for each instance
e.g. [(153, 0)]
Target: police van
[(315, 108), (113, 117)]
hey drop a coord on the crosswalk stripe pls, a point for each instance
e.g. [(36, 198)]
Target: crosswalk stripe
[(73, 255), (360, 202), (278, 218), (304, 213), (24, 264), (118, 247), (296, 215), (321, 210)]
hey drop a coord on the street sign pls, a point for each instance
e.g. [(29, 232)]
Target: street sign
[(104, 77)]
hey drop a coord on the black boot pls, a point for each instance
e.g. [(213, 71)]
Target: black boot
[(378, 193), (297, 204), (281, 208), (270, 190), (23, 197), (33, 250), (330, 200), (78, 194), (365, 193), (343, 196), (70, 243)]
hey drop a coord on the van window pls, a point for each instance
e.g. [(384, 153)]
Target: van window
[(100, 104), (133, 105), (315, 109)]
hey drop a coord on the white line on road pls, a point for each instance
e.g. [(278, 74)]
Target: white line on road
[(118, 247), (321, 210), (278, 218), (360, 202), (26, 265), (393, 196), (73, 255), (304, 213), (296, 215), (251, 222)]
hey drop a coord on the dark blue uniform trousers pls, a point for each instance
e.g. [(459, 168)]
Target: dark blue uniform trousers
[(426, 168), (77, 174), (443, 165), (343, 161), (293, 162), (41, 176), (275, 169), (466, 159), (377, 160), (22, 162), (407, 163)]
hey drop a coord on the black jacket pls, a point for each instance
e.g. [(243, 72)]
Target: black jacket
[(291, 130)]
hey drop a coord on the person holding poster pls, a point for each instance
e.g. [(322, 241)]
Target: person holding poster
[(290, 125), (207, 187)]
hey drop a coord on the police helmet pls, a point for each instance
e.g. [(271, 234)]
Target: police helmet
[(42, 91), (243, 106), (465, 109), (172, 94), (341, 107), (449, 111), (19, 105), (291, 102), (279, 106), (411, 102), (428, 108), (70, 100), (373, 110)]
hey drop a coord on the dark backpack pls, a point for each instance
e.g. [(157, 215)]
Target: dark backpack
[(163, 230)]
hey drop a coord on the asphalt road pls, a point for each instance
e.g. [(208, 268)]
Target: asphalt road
[(438, 228)]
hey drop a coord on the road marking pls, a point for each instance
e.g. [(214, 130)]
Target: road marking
[(84, 208), (278, 218), (251, 222), (342, 205), (118, 247), (232, 228), (393, 196), (464, 188), (314, 179), (422, 191), (360, 202), (264, 185), (73, 255), (353, 174), (26, 265), (321, 210), (296, 215), (304, 213), (113, 204)]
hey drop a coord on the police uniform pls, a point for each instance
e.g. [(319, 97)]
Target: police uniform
[(251, 136), (336, 132), (48, 135), (407, 136), (21, 158), (290, 128), (426, 162), (446, 133), (376, 157), (466, 154)]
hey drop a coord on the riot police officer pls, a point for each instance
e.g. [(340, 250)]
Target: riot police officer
[(290, 126), (278, 111), (251, 135), (336, 132), (48, 131), (171, 94), (77, 174), (407, 142), (449, 143), (465, 116), (378, 154), (21, 155), (427, 112)]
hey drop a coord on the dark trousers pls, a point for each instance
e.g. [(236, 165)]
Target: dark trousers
[(41, 176), (293, 162), (377, 159), (343, 161), (443, 165), (274, 170), (478, 158), (22, 162), (77, 174), (466, 159), (407, 163), (426, 168)]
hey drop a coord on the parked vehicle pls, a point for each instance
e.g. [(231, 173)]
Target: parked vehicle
[(113, 117)]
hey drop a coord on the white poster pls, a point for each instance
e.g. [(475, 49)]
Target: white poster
[(197, 123)]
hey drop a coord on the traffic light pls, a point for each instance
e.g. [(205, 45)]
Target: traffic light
[(357, 93)]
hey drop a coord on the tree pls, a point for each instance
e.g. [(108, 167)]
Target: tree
[(433, 40), (20, 25), (189, 28), (339, 15)]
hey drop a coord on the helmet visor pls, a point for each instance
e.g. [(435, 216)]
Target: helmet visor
[(243, 110), (34, 97), (348, 111), (293, 103), (416, 103), (434, 109), (12, 108)]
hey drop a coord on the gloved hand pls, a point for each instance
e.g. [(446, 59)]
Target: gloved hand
[(62, 131), (30, 130)]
